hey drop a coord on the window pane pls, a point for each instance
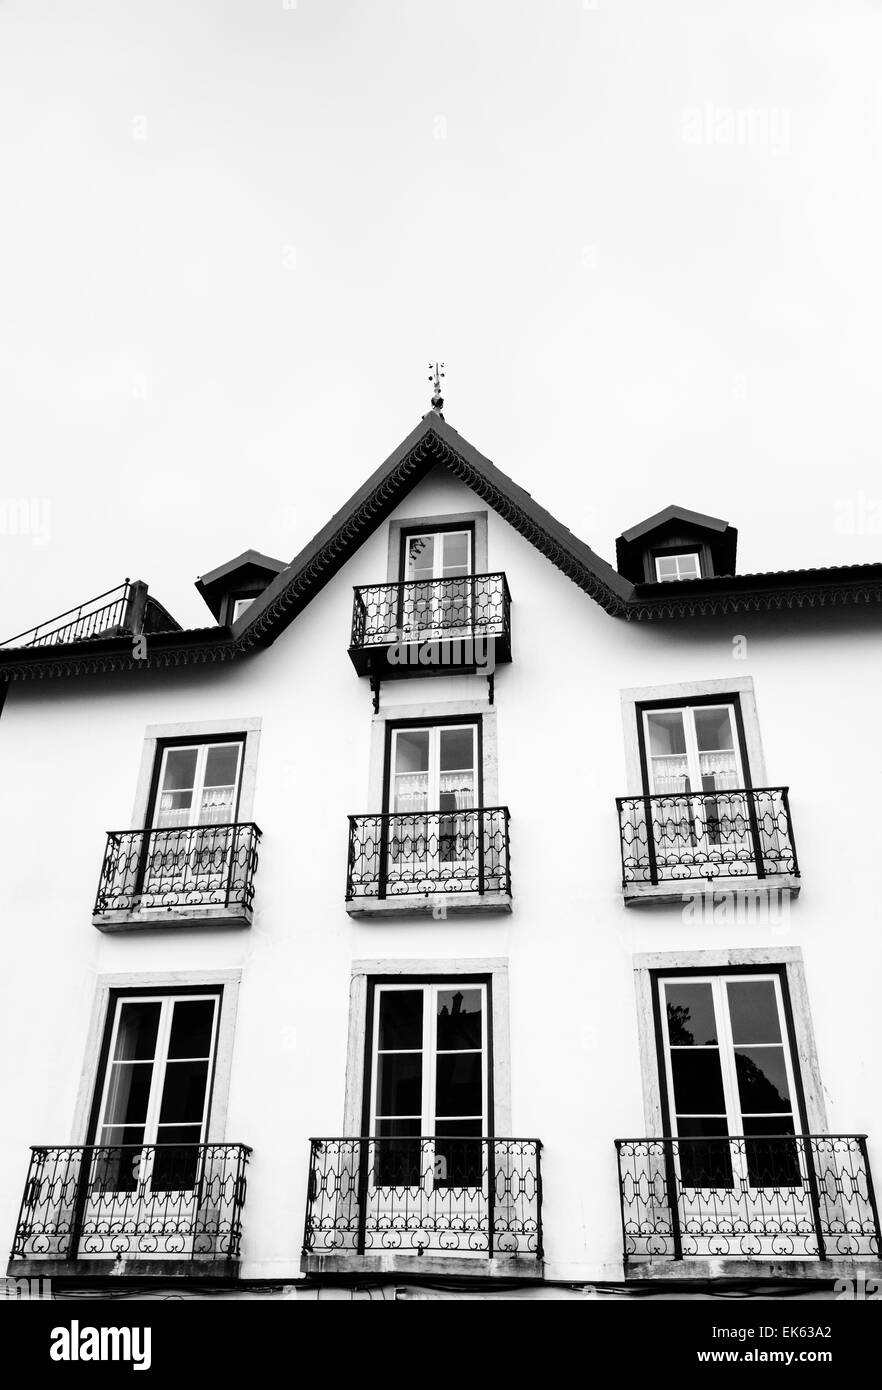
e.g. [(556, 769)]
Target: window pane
[(456, 552), (221, 763), (698, 1082), (459, 1019), (176, 1161), (398, 1159), (459, 1089), (666, 734), (183, 1093), (136, 1035), (420, 556), (412, 750), (762, 1080), (753, 1009), (191, 1029), (400, 1083), (457, 749), (116, 1167), (180, 768), (713, 729), (128, 1093), (666, 567), (773, 1162), (459, 1161), (703, 1160), (690, 1009), (401, 1018)]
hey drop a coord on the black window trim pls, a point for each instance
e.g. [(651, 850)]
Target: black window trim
[(150, 991), (480, 977), (656, 975), (680, 702)]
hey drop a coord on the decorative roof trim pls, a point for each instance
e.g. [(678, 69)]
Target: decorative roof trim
[(434, 442)]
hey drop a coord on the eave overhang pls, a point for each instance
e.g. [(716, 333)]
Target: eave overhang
[(435, 443)]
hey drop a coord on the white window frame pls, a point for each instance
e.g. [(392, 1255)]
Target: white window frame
[(453, 972), (159, 1063), (438, 536), (434, 774), (713, 962), (429, 1051), (673, 695), (424, 524), (677, 556), (202, 747), (693, 756), (198, 731), (725, 1046), (466, 710), (225, 982)]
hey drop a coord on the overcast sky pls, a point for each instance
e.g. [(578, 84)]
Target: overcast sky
[(645, 237)]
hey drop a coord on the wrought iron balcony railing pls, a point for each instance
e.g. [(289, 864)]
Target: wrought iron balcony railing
[(440, 1195), (719, 835), (101, 616), (414, 625), (190, 866), (796, 1196), (429, 852), (133, 1201)]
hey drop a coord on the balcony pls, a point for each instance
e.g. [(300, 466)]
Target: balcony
[(182, 876), (435, 862), (160, 1209), (685, 843), (419, 627), (802, 1197), (392, 1201)]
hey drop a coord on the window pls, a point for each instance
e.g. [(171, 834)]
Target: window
[(428, 1088), (431, 563), (197, 788), (729, 1070), (433, 788), (692, 748), (442, 554), (198, 784), (669, 568), (239, 605), (155, 1091)]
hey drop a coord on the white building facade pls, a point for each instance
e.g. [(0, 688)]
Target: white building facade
[(454, 906)]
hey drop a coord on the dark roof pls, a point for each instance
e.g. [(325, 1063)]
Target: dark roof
[(434, 443), (248, 569), (673, 513), (675, 526)]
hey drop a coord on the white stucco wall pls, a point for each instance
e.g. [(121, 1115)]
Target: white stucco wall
[(70, 753)]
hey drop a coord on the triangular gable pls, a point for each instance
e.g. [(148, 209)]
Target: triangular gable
[(434, 442)]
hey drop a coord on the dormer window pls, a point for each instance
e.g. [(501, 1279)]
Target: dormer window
[(672, 567), (675, 545), (240, 604), (231, 589)]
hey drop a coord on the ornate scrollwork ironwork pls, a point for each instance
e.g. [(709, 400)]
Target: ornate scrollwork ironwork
[(185, 867), (788, 1196), (429, 852), (721, 835), (472, 606), (133, 1201), (437, 1194)]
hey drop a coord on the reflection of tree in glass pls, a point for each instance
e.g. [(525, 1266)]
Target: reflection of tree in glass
[(758, 1093), (679, 1031)]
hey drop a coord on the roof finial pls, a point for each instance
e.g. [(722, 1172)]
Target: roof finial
[(436, 372)]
